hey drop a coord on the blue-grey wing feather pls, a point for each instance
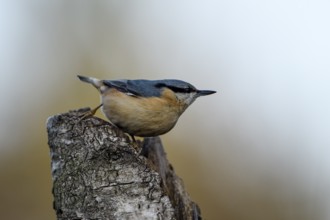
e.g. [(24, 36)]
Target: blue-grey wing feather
[(149, 88), (120, 85), (143, 88)]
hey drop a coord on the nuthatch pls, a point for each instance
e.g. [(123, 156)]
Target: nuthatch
[(144, 108)]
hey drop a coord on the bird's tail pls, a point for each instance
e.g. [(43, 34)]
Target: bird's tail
[(97, 83)]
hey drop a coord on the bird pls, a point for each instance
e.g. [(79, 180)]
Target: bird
[(144, 108)]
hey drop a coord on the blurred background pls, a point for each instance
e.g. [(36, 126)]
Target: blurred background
[(258, 149)]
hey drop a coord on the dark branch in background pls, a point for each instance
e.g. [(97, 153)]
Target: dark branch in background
[(98, 173)]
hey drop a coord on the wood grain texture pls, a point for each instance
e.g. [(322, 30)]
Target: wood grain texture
[(98, 173)]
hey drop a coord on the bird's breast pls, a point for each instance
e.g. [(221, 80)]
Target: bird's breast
[(139, 116)]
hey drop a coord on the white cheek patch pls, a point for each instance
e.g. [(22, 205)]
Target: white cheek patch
[(187, 98)]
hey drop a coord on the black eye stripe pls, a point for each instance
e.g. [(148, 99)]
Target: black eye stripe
[(182, 90), (176, 89)]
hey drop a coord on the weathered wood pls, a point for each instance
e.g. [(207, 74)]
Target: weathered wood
[(98, 173)]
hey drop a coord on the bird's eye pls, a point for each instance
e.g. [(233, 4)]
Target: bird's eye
[(181, 90), (176, 89), (188, 89)]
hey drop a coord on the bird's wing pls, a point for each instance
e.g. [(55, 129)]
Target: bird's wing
[(142, 88), (120, 85)]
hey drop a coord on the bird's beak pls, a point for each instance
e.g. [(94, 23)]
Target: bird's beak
[(205, 92)]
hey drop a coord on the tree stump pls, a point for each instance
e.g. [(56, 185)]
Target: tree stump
[(99, 173)]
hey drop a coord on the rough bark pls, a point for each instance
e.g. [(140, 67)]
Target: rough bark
[(98, 173)]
